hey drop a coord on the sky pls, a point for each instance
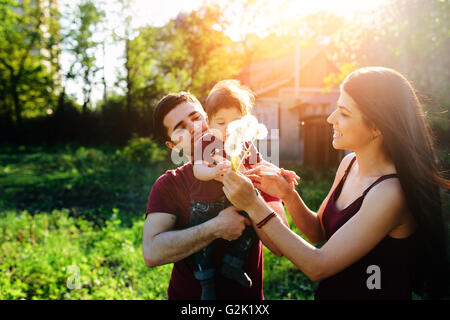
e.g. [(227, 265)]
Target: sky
[(159, 12)]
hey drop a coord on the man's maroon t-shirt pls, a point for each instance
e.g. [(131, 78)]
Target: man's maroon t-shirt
[(170, 194)]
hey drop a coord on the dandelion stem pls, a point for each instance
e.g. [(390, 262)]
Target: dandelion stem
[(233, 162), (245, 154)]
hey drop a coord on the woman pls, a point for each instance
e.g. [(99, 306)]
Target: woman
[(382, 219)]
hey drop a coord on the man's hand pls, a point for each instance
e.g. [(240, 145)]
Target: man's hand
[(230, 224)]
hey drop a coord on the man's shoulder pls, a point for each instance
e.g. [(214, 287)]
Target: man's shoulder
[(170, 190), (173, 176)]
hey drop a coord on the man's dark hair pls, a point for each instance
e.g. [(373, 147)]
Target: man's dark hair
[(164, 106)]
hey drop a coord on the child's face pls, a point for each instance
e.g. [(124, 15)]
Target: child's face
[(220, 120)]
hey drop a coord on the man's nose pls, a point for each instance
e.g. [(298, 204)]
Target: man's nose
[(194, 127)]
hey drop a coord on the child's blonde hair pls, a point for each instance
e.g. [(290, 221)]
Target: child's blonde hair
[(229, 94)]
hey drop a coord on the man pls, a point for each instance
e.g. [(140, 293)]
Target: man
[(167, 235)]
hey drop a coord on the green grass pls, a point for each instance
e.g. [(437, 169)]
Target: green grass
[(55, 256), (70, 210)]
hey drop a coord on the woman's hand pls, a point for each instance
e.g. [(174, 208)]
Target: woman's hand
[(239, 190), (290, 176), (277, 183)]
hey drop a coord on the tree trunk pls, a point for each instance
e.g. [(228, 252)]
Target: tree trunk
[(61, 101), (87, 98), (129, 100), (105, 93), (129, 85), (17, 105)]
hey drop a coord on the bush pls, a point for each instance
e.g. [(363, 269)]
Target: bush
[(144, 151), (89, 181)]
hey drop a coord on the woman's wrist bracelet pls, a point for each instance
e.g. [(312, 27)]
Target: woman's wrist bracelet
[(265, 220)]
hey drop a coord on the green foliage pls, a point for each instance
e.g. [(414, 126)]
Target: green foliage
[(209, 55), (314, 184), (144, 151), (410, 36), (190, 52), (40, 256), (88, 181), (99, 233), (283, 281), (27, 59), (333, 80)]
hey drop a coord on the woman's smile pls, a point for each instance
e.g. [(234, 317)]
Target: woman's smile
[(337, 134)]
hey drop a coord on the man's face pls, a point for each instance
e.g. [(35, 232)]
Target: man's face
[(181, 122)]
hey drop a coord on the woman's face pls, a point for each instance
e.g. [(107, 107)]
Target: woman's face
[(351, 132), (220, 120)]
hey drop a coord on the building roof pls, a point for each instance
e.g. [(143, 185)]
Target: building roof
[(268, 74)]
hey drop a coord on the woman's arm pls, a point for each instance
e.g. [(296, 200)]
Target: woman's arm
[(278, 208), (289, 175), (307, 221), (380, 213)]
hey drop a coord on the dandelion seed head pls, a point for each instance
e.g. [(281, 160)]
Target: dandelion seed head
[(233, 147), (261, 131)]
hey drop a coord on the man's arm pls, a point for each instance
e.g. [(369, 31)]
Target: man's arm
[(162, 245)]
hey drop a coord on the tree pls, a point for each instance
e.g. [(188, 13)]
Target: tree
[(124, 32), (191, 52), (79, 41), (26, 83), (210, 55), (411, 36)]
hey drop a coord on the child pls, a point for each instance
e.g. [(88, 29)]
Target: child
[(228, 101)]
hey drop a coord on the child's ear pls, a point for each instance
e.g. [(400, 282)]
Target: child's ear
[(172, 146), (169, 144)]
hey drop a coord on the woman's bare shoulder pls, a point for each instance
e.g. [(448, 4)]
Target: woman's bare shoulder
[(389, 189), (387, 194), (345, 162)]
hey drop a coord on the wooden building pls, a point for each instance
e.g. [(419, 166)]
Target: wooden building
[(290, 97)]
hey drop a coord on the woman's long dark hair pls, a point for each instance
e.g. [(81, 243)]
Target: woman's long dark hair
[(388, 101)]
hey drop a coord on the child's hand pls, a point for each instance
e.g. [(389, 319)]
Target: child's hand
[(221, 168)]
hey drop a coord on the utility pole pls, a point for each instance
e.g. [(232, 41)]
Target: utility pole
[(297, 64)]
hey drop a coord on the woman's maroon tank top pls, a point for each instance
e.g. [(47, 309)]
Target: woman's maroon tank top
[(381, 274)]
